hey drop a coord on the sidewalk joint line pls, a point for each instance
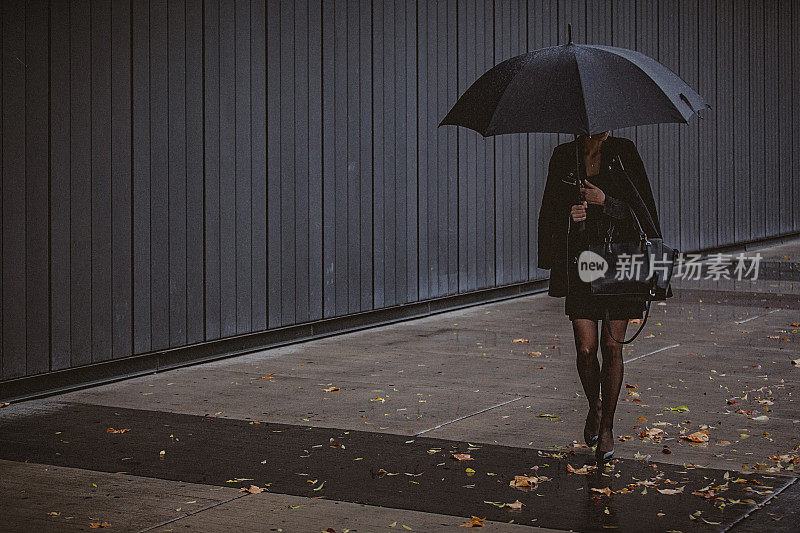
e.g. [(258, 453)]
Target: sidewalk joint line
[(758, 506), (651, 353), (186, 515), (758, 316), (469, 415)]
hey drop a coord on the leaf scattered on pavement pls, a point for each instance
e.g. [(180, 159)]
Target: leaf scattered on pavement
[(473, 522)]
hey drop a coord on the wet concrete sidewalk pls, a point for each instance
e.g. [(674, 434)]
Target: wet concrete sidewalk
[(364, 431)]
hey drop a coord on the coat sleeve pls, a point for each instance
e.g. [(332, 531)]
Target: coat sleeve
[(638, 174), (549, 215)]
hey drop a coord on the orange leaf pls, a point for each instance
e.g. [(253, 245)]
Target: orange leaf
[(112, 430), (521, 340), (331, 389), (98, 525), (698, 436), (604, 490), (462, 457), (473, 522), (584, 470)]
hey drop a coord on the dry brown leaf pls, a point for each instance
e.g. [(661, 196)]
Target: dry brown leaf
[(584, 470), (672, 491), (521, 340), (604, 490), (98, 525), (653, 433), (523, 481), (331, 389), (462, 457), (697, 436), (474, 521), (516, 505), (112, 430), (795, 324), (252, 489), (534, 353)]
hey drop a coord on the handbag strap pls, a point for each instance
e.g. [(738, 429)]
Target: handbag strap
[(637, 196), (623, 341)]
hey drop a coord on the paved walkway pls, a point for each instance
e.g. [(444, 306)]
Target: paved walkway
[(362, 431)]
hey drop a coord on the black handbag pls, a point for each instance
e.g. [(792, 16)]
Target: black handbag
[(639, 269)]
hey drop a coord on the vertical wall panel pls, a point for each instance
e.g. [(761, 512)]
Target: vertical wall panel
[(242, 187), (176, 153), (707, 135), (273, 73), (315, 178), (37, 221), (411, 155), (194, 172), (80, 190), (785, 102), (159, 177), (301, 156), (359, 152), (258, 158), (756, 85), (287, 168), (423, 143), (466, 146), (121, 177), (688, 171), (227, 168), (795, 115), (724, 115), (382, 142), (330, 255), (14, 316), (670, 179), (140, 17), (102, 310), (771, 123), (211, 170), (59, 186), (741, 121)]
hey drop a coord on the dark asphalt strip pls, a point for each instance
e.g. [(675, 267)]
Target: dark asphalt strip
[(403, 472)]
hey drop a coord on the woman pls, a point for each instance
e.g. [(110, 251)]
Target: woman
[(606, 199)]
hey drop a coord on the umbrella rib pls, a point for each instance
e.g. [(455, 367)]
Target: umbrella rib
[(582, 98), (489, 124)]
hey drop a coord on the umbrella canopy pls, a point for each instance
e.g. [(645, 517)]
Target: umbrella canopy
[(572, 88)]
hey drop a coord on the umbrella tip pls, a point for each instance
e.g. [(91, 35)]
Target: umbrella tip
[(569, 33)]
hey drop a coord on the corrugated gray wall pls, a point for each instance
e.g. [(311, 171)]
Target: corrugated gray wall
[(177, 172)]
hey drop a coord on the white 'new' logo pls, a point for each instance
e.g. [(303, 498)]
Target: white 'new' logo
[(591, 266)]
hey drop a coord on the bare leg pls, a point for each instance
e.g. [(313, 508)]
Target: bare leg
[(585, 332), (611, 378)]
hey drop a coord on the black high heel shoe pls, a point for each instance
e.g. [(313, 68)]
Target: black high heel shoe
[(601, 457)]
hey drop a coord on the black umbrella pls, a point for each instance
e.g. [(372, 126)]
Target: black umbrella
[(574, 88)]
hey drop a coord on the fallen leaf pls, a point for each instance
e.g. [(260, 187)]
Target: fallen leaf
[(98, 525), (521, 340), (534, 353), (762, 418), (523, 481), (331, 389), (515, 505), (474, 521), (653, 433), (604, 490), (679, 409), (584, 470), (252, 489), (697, 436), (4, 404), (378, 399), (672, 491), (112, 430), (547, 415)]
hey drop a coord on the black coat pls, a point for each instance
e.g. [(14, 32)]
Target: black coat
[(558, 198)]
